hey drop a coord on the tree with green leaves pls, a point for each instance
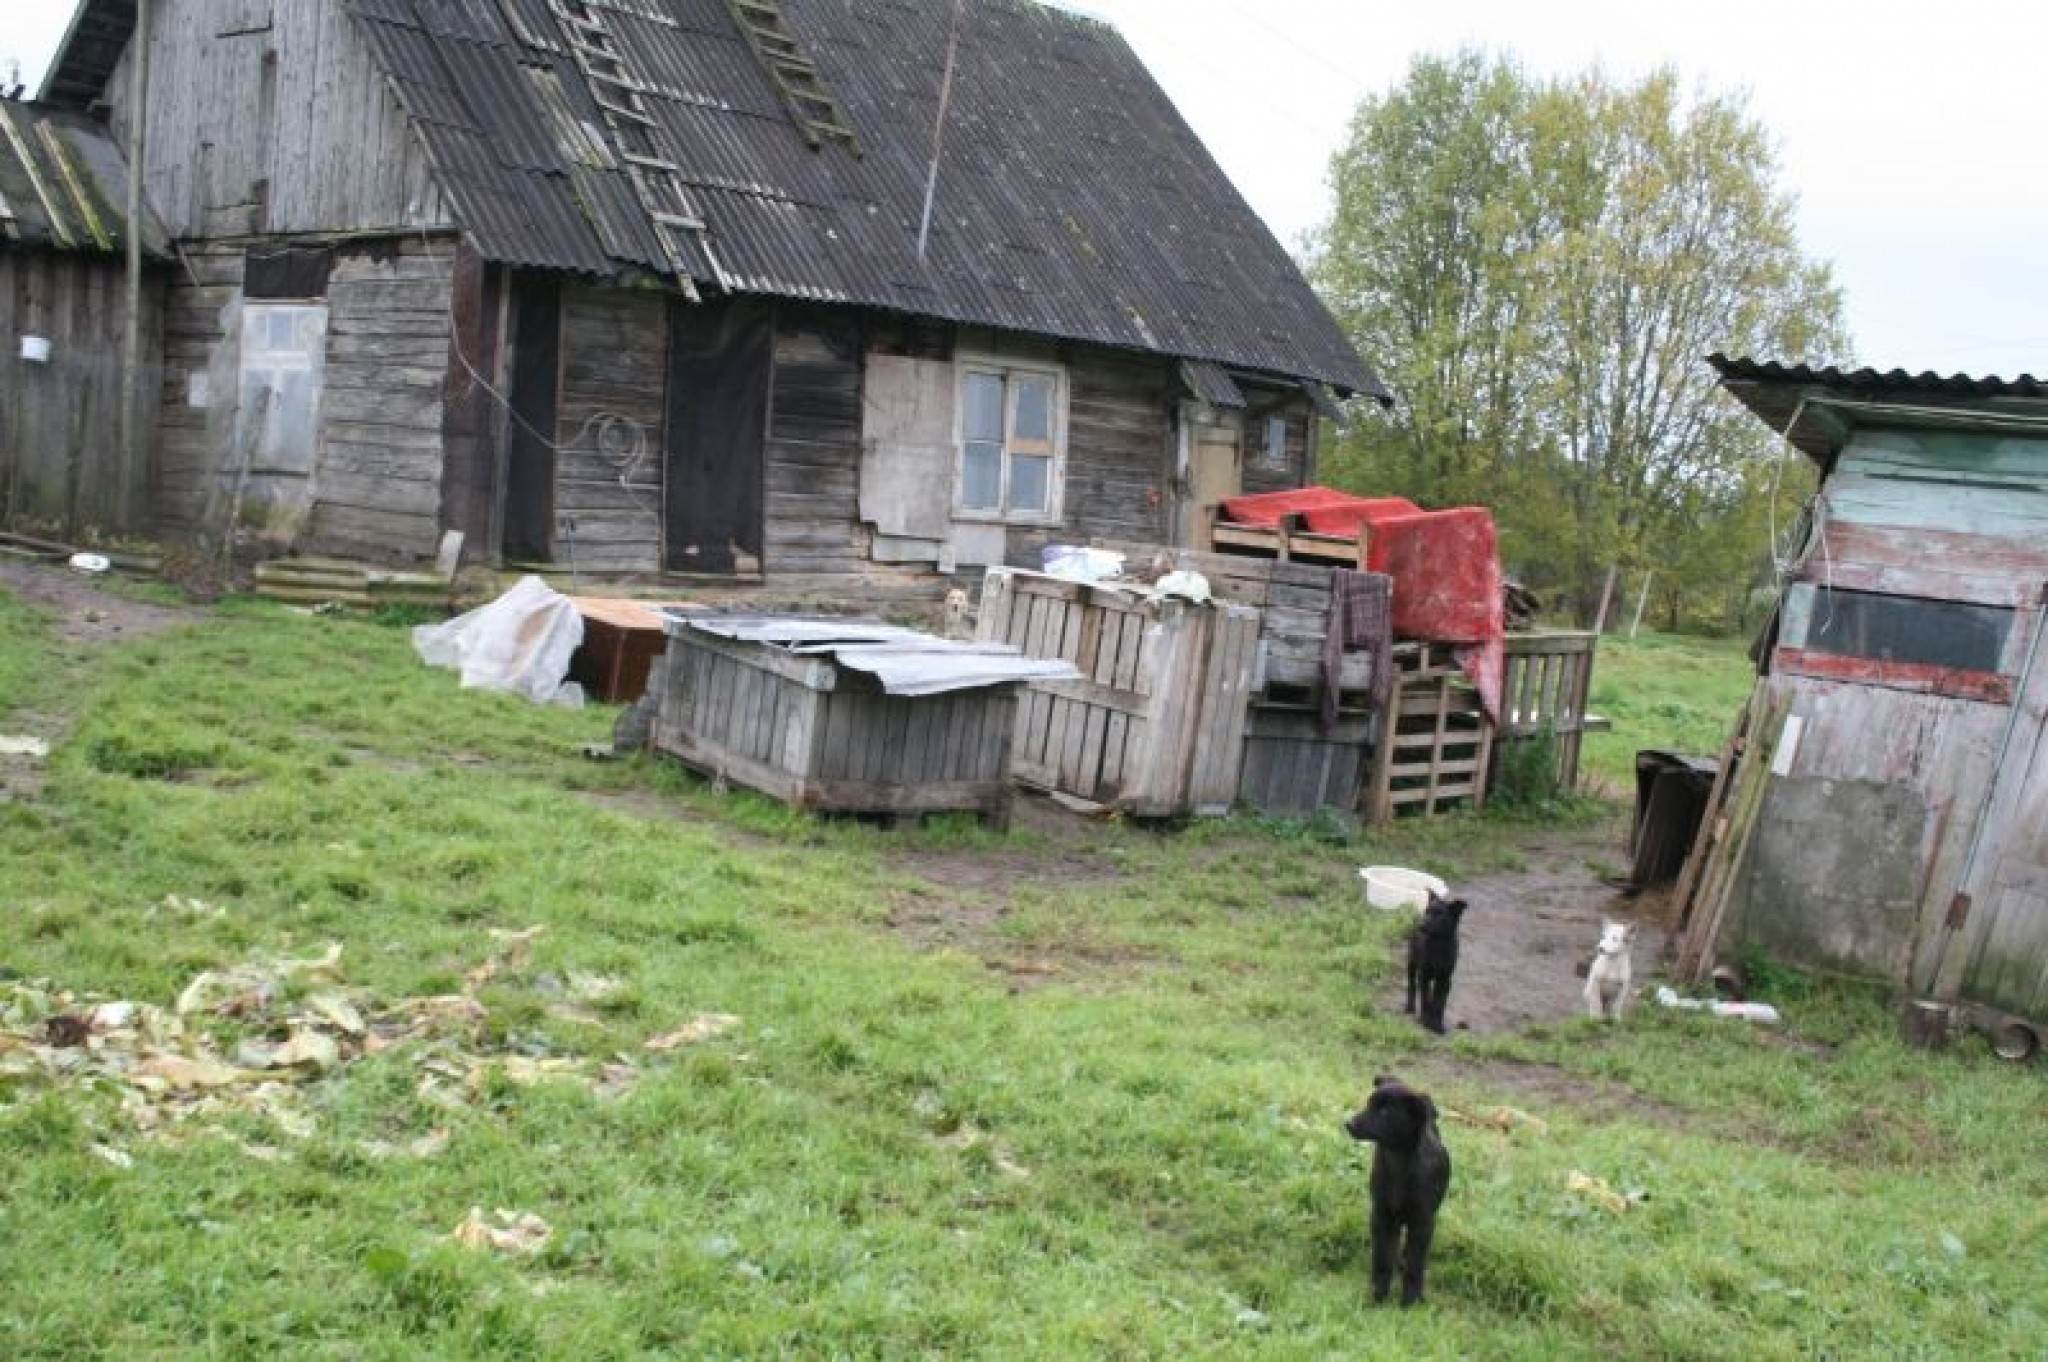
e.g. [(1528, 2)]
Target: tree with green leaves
[(1539, 269)]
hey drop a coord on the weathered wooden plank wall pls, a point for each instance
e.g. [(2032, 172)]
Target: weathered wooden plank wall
[(1940, 748), (202, 325), (377, 487), (608, 470), (1120, 436), (1292, 470), (812, 511), (268, 115), (62, 465)]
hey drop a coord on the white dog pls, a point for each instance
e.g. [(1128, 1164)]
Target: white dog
[(1607, 982)]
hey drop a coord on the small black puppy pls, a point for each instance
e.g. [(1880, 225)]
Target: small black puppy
[(1411, 1172), (1433, 958)]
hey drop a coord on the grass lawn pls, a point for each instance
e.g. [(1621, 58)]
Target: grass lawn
[(1070, 1091), (1663, 691)]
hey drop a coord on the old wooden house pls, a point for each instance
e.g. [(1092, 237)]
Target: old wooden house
[(66, 467), (1888, 816), (821, 292)]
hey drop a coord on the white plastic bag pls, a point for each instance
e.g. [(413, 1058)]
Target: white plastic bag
[(1081, 563), (520, 642)]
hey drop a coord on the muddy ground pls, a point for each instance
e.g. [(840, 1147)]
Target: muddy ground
[(1525, 942)]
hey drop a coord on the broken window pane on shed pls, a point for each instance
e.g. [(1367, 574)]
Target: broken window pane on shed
[(1908, 629)]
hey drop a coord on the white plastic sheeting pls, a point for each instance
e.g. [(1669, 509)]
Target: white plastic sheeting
[(520, 642), (905, 661)]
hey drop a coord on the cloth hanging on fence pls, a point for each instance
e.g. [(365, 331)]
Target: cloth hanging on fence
[(1361, 620)]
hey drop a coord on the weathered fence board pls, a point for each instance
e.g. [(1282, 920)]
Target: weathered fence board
[(1155, 725)]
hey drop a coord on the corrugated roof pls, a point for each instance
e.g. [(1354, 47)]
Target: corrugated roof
[(1815, 408), (90, 51), (1073, 200), (64, 185)]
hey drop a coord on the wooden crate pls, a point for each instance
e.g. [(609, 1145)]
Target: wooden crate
[(1155, 727), (1288, 542), (1293, 601), (819, 736), (621, 639), (1434, 742), (1292, 766), (1546, 681)]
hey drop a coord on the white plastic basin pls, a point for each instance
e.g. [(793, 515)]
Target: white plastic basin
[(1393, 886)]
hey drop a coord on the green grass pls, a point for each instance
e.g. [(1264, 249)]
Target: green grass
[(1056, 1093), (1664, 691)]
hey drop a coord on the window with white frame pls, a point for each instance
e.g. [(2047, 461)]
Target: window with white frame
[(283, 349), (1013, 422)]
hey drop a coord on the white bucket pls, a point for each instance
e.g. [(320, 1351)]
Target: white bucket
[(1393, 886), (35, 349)]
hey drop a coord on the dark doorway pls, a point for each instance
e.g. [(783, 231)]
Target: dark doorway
[(720, 357), (530, 462)]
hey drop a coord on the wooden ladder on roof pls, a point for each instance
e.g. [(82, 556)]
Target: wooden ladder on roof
[(657, 181), (790, 69)]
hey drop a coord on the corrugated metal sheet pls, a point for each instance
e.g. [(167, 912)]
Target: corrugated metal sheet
[(905, 661), (1209, 383), (64, 185), (1073, 201), (1789, 397)]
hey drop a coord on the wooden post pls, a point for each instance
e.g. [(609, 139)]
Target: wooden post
[(134, 437), (1606, 594), (1642, 600)]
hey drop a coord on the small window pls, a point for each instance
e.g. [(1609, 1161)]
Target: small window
[(1908, 629), (1012, 430), (1273, 450)]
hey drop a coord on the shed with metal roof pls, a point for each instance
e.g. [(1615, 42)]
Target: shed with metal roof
[(1887, 811)]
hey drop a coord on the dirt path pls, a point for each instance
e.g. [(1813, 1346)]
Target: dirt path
[(84, 614), (1529, 934)]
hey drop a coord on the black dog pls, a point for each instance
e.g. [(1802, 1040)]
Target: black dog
[(1411, 1171), (1433, 958)]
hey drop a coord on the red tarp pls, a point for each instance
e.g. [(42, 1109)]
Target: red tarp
[(1447, 586), (1266, 508)]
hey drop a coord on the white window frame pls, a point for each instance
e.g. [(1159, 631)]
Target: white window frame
[(291, 419), (1003, 368)]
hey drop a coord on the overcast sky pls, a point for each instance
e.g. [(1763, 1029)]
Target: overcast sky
[(1911, 138)]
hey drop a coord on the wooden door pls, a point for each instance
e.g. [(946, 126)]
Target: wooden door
[(1215, 471), (1999, 956)]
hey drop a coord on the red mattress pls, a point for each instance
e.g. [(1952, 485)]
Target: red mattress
[(1447, 586)]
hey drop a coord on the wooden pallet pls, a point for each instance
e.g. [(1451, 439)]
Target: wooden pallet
[(1288, 542), (1434, 742)]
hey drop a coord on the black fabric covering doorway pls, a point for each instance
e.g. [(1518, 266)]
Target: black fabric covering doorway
[(529, 529), (721, 354)]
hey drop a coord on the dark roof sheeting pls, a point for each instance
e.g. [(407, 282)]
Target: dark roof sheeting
[(90, 51), (1799, 400), (64, 185), (1072, 201)]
